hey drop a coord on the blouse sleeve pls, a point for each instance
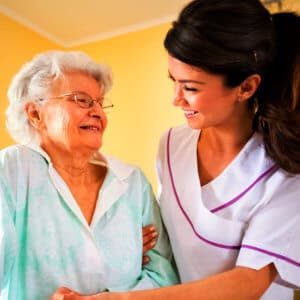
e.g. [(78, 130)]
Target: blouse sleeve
[(160, 271), (8, 241), (273, 234)]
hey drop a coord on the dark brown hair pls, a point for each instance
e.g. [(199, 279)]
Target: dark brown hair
[(240, 38)]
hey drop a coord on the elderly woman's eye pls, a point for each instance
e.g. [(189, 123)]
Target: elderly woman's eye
[(83, 100)]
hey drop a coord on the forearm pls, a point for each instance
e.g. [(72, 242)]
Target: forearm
[(240, 283)]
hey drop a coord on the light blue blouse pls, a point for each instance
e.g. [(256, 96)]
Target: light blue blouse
[(45, 242)]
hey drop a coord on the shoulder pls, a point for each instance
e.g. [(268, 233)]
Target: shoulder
[(181, 130), (13, 154), (177, 139), (179, 134), (125, 171), (289, 183), (17, 150), (18, 157)]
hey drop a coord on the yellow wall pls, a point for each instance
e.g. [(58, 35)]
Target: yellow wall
[(18, 45), (287, 5)]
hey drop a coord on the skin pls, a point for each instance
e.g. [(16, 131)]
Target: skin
[(65, 137), (217, 110), (225, 121), (149, 241)]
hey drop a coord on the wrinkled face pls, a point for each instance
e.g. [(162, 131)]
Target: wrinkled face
[(67, 126), (203, 97)]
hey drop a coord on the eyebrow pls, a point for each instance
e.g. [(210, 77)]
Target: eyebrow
[(185, 80)]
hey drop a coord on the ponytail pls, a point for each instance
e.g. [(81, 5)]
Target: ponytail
[(278, 115)]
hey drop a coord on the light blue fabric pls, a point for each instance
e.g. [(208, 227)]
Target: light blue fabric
[(46, 243)]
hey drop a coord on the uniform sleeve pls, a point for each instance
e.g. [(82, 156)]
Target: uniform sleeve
[(273, 235), (7, 236), (160, 271)]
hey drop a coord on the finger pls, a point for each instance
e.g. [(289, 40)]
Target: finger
[(60, 293), (148, 229), (75, 296), (150, 238), (145, 260), (57, 296), (149, 246)]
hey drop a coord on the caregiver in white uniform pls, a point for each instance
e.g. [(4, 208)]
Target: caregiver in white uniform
[(229, 179), (230, 189)]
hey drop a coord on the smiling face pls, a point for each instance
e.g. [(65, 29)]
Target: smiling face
[(63, 124), (203, 97)]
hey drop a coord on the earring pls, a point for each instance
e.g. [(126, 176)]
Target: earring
[(255, 105)]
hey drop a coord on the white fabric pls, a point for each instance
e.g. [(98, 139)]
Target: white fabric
[(249, 215)]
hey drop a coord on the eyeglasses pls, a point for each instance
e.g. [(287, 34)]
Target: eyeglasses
[(84, 100)]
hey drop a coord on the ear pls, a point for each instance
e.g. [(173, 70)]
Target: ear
[(248, 87), (33, 111)]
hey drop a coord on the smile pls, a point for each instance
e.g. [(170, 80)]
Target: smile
[(90, 127), (190, 113)]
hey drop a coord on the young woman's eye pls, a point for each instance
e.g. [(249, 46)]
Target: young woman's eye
[(190, 89)]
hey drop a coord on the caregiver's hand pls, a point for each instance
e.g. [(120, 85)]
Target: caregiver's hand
[(149, 241), (64, 293)]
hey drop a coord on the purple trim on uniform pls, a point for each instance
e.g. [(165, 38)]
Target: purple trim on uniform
[(286, 259), (238, 197), (279, 256), (182, 209)]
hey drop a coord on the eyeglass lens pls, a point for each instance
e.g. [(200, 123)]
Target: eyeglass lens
[(86, 101)]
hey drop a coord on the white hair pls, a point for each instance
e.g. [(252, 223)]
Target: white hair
[(34, 80)]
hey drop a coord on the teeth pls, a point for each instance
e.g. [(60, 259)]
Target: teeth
[(190, 112), (90, 127)]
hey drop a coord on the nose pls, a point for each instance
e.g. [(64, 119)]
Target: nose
[(178, 94), (96, 111)]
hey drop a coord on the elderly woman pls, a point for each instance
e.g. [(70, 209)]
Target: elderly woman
[(66, 210)]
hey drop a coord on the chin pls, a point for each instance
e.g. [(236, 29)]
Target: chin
[(96, 147), (94, 143), (195, 125)]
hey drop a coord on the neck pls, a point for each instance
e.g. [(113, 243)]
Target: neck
[(73, 165), (227, 139), (71, 169), (223, 142)]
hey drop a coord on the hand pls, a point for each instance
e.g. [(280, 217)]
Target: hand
[(64, 293), (149, 241)]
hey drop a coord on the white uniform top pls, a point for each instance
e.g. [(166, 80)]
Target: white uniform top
[(45, 241), (249, 215)]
